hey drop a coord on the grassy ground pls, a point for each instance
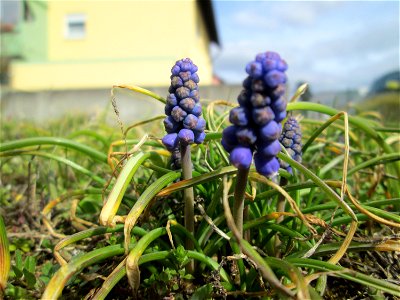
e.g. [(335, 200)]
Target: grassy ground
[(337, 237)]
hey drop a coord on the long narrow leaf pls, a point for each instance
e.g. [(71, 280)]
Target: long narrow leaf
[(114, 199), (144, 200), (37, 141)]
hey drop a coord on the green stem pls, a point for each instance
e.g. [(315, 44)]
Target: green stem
[(280, 207), (188, 197), (238, 205)]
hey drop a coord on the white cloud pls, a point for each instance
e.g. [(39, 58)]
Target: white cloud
[(329, 44)]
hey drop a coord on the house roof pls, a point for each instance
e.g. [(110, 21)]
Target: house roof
[(207, 12)]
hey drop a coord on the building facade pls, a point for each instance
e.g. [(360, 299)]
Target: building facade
[(61, 45)]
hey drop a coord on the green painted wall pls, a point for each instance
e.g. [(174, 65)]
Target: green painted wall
[(29, 40)]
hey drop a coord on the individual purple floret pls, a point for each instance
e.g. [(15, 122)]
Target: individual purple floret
[(183, 123), (257, 119), (266, 166), (170, 141), (241, 157), (238, 116), (186, 136), (291, 140)]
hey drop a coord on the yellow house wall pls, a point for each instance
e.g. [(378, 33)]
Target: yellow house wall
[(127, 42)]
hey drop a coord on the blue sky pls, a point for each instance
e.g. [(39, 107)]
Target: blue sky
[(330, 44)]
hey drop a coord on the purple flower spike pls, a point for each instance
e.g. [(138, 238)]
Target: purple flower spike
[(267, 168), (291, 140), (257, 119), (241, 157), (170, 141), (186, 136), (238, 116), (183, 109)]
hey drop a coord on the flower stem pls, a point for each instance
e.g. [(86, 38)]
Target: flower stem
[(280, 207), (238, 205), (188, 197)]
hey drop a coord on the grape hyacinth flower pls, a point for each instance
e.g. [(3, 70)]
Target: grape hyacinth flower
[(256, 124), (184, 124), (291, 140)]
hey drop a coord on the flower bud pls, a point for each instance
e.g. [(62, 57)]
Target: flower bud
[(238, 116), (262, 116), (266, 167), (170, 141), (241, 157), (190, 122), (178, 114), (270, 132), (274, 78), (187, 104), (186, 136)]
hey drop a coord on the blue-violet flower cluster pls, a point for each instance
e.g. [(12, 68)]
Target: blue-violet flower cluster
[(291, 140), (256, 122), (183, 124)]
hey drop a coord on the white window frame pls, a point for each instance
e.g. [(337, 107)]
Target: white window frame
[(77, 18)]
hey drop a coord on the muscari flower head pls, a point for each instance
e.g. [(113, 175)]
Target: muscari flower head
[(184, 123), (291, 140), (256, 122)]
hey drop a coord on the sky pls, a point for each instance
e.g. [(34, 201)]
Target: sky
[(332, 45)]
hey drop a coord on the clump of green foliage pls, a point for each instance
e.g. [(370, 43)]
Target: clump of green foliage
[(336, 228)]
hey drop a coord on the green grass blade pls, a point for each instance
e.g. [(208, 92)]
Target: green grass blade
[(114, 199), (348, 274), (37, 141), (140, 90), (144, 200), (320, 183), (60, 159), (5, 261), (132, 260), (383, 159), (356, 121), (60, 279), (197, 180)]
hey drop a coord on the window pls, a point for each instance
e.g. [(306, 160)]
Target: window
[(75, 26)]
